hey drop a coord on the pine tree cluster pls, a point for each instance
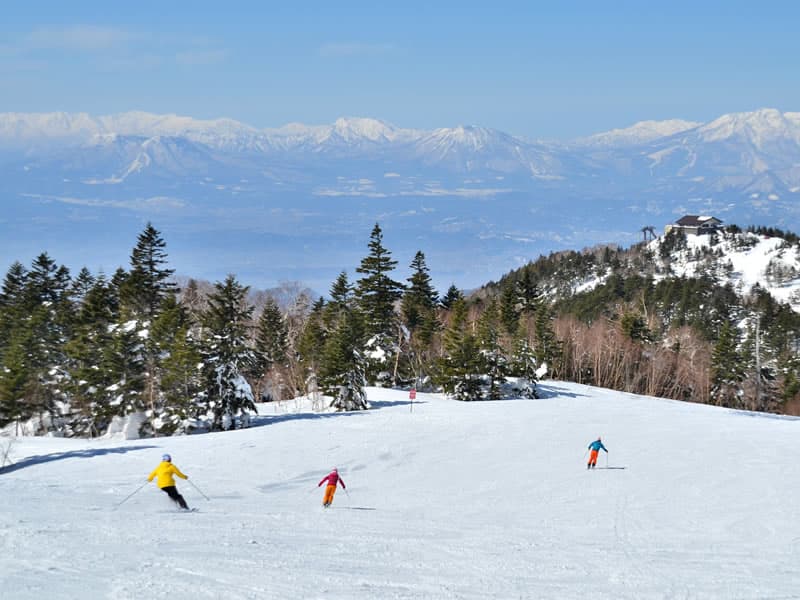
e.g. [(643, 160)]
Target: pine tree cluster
[(89, 354)]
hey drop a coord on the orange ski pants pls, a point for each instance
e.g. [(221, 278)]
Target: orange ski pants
[(593, 457), (330, 490)]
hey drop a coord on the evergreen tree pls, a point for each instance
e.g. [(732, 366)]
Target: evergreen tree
[(419, 308), (175, 400), (634, 326), (492, 358), (45, 323), (143, 292), (376, 291), (546, 346), (11, 303), (420, 298), (227, 355), (459, 366), (528, 295), (15, 378), (126, 358), (91, 373), (310, 345), (342, 365), (44, 282), (115, 289), (181, 383), (342, 371), (81, 285), (509, 310), (148, 283), (524, 365), (376, 294), (272, 339), (451, 296), (341, 300), (726, 370)]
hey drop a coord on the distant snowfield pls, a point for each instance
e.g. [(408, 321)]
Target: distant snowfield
[(448, 500)]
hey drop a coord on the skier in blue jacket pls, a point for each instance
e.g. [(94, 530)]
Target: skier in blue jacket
[(595, 448)]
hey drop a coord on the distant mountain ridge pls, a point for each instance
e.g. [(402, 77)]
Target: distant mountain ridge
[(442, 190), (754, 152)]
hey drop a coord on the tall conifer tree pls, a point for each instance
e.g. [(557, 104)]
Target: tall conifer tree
[(376, 291), (272, 341), (459, 367), (91, 369), (493, 360), (228, 356), (727, 372), (148, 282)]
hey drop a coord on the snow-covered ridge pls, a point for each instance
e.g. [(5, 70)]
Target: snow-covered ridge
[(760, 127), (747, 260), (639, 133), (763, 123), (746, 153), (744, 260)]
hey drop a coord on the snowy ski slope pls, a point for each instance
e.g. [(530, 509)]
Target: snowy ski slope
[(448, 500)]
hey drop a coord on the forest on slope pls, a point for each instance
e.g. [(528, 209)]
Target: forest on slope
[(87, 354)]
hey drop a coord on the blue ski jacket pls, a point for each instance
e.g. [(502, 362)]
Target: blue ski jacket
[(597, 445)]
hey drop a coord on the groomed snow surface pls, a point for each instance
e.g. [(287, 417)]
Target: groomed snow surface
[(448, 500)]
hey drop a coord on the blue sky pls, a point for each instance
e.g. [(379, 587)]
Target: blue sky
[(543, 70)]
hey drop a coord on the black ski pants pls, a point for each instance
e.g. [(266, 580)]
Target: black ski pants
[(172, 492)]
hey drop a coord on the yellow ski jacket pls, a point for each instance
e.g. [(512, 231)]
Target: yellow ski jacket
[(165, 472)]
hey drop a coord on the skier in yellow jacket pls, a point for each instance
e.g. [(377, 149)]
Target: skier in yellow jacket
[(166, 482)]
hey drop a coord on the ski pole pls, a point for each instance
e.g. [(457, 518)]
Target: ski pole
[(129, 496), (198, 489), (348, 495), (606, 459)]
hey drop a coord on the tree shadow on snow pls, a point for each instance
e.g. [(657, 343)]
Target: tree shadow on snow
[(553, 391), (262, 420), (388, 403), (39, 459), (763, 415)]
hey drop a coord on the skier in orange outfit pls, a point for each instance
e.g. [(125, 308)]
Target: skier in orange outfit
[(595, 448), (332, 478)]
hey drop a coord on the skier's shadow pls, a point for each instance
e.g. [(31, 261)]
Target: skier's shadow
[(39, 459), (353, 508)]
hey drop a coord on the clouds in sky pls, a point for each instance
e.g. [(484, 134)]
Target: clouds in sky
[(104, 47), (85, 38)]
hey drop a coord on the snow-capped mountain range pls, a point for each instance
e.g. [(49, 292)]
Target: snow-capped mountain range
[(743, 152), (503, 197)]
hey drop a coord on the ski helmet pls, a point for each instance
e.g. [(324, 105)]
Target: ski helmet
[(166, 458)]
